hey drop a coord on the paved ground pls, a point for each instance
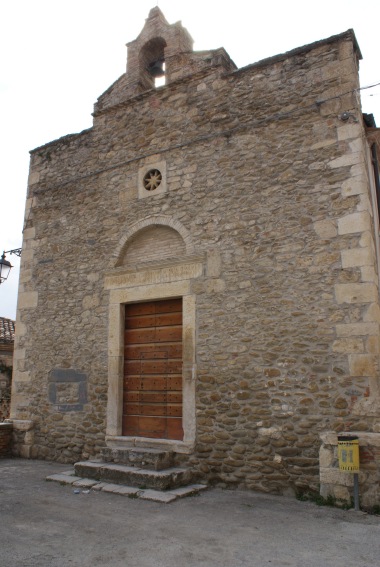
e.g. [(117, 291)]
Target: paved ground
[(43, 524)]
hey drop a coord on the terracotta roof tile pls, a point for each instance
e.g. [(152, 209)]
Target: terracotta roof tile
[(7, 331)]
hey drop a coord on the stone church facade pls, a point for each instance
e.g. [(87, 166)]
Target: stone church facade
[(200, 270)]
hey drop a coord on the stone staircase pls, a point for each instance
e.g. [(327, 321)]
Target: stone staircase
[(148, 474)]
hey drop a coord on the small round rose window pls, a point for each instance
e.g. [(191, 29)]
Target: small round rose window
[(152, 179)]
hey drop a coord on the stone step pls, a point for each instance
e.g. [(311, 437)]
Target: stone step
[(134, 476), (152, 459), (86, 486)]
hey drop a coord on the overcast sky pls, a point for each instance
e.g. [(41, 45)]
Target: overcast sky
[(57, 57)]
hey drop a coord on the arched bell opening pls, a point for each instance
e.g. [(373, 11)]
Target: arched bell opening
[(152, 63)]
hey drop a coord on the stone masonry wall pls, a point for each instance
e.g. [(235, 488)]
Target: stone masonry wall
[(265, 176)]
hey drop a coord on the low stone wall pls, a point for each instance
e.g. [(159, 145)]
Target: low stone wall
[(340, 484), (5, 439)]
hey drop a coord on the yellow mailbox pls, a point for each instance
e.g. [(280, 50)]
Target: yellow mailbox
[(348, 453)]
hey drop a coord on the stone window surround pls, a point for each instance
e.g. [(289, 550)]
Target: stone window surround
[(168, 280), (162, 188)]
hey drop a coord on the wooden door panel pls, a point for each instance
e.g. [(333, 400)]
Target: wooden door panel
[(168, 305), (131, 383), (130, 425), (137, 322), (156, 335), (131, 409), (174, 397), (174, 410), (161, 409), (152, 426), (154, 355), (152, 388), (152, 351), (174, 428), (153, 320), (145, 308), (168, 319), (168, 334), (132, 367), (154, 383), (146, 409), (149, 383), (154, 397), (133, 336), (174, 383), (153, 409), (131, 396), (174, 367), (154, 367)]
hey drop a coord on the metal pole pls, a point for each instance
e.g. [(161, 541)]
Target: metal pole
[(356, 492)]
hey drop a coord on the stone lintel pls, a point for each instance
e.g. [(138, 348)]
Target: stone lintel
[(154, 276), (147, 292)]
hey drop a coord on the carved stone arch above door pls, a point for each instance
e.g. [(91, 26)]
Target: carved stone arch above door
[(153, 264), (153, 239)]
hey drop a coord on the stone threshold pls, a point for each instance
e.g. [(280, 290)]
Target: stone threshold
[(164, 497)]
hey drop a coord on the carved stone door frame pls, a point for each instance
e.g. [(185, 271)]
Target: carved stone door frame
[(129, 286)]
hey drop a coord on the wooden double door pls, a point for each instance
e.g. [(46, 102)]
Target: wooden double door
[(152, 387)]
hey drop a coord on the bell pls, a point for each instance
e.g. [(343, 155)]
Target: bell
[(156, 69)]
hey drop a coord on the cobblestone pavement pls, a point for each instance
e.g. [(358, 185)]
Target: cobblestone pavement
[(44, 524)]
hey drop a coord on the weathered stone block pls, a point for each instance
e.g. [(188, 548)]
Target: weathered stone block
[(357, 329), (347, 160), (362, 365), (357, 257), (326, 228), (348, 345), (356, 293), (355, 222), (27, 300), (349, 131), (333, 476)]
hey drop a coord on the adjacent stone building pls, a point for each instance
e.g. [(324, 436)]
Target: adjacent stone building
[(7, 337), (7, 332), (200, 270)]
